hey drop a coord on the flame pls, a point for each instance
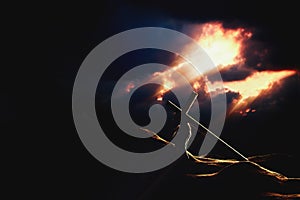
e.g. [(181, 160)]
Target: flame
[(255, 85), (167, 82), (159, 98), (196, 85), (168, 77), (167, 85), (245, 112), (224, 46), (129, 87)]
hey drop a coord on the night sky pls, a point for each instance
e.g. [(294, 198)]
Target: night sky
[(61, 166)]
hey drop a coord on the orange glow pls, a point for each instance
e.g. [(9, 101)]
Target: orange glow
[(224, 46), (167, 77), (254, 85), (245, 113), (159, 98), (168, 83), (129, 87), (196, 85)]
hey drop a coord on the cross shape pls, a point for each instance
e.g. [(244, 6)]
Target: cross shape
[(184, 112)]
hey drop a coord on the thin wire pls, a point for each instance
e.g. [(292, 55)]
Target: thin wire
[(209, 131)]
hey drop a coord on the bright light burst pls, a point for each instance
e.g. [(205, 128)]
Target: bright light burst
[(224, 46), (255, 85)]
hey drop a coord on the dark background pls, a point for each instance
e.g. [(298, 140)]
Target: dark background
[(56, 164)]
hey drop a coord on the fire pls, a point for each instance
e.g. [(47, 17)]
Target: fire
[(224, 46), (129, 87), (196, 85), (245, 112), (168, 77), (159, 98), (167, 85), (255, 85), (168, 82)]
